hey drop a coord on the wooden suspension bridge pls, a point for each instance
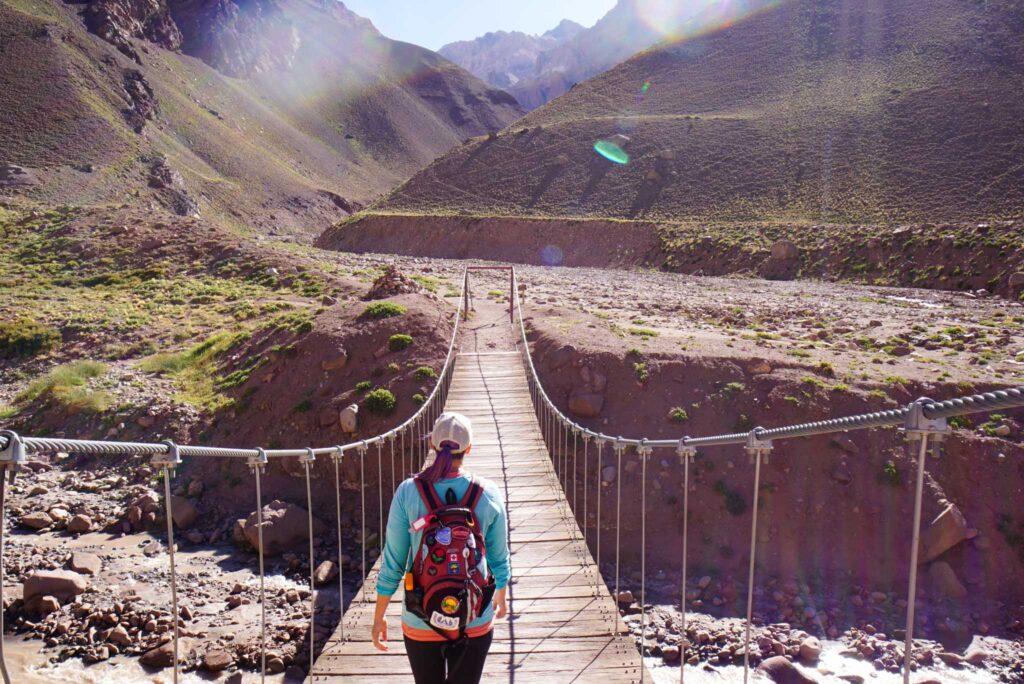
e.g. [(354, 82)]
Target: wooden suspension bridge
[(563, 625)]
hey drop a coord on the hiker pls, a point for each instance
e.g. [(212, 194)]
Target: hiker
[(447, 544)]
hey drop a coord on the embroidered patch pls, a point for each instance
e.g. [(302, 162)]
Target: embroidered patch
[(437, 556), (431, 540), (442, 621), (449, 605), (444, 536), (431, 570), (454, 568), (461, 533)]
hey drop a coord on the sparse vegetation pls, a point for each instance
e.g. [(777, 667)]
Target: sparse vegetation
[(67, 385), (397, 343), (678, 415), (381, 402), (364, 386), (425, 373), (25, 338), (381, 310)]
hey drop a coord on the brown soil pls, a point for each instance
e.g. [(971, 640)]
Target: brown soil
[(948, 256)]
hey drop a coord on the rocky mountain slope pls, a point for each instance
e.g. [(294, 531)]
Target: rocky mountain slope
[(278, 116), (504, 58), (537, 69), (809, 111)]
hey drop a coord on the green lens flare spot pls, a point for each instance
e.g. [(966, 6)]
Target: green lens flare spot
[(611, 152)]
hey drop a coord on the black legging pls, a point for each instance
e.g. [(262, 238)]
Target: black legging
[(430, 660)]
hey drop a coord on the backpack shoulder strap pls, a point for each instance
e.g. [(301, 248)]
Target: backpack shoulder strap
[(473, 494), (428, 495)]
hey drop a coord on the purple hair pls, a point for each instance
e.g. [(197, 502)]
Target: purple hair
[(442, 465)]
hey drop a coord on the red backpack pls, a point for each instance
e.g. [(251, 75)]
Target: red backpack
[(446, 586)]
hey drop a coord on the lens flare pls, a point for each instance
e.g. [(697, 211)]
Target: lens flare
[(680, 20), (552, 255), (611, 151)]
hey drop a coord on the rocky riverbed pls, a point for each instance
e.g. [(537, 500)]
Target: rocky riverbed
[(838, 641)]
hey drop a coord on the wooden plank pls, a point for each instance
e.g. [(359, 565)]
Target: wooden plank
[(563, 625)]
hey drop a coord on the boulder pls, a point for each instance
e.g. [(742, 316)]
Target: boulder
[(218, 660), (784, 250), (184, 512), (1016, 285), (608, 473), (759, 367), (47, 605), (163, 656), (36, 520), (944, 583), (325, 572), (781, 671), (976, 656), (285, 526), (62, 584), (85, 563), (945, 532), (119, 635), (349, 419), (80, 524), (586, 404), (810, 650)]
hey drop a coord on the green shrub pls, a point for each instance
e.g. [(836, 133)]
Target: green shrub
[(678, 415), (890, 475), (364, 386), (397, 343), (380, 401), (424, 373), (25, 338), (379, 310), (645, 333), (642, 372), (419, 398), (303, 406), (734, 388), (66, 384), (394, 367)]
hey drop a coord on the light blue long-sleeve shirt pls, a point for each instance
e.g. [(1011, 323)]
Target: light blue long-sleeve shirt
[(408, 506)]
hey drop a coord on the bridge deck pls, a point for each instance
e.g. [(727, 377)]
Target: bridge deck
[(563, 626)]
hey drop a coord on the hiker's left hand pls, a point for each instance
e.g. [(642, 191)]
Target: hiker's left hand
[(500, 604)]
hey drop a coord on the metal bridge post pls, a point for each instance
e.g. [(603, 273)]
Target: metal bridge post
[(362, 513), (619, 448), (597, 527), (258, 464), (169, 462), (758, 450), (336, 456), (645, 453), (686, 456), (923, 431), (307, 460)]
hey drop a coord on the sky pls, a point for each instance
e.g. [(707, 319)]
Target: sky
[(434, 23)]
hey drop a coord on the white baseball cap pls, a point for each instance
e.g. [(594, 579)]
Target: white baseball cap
[(454, 428)]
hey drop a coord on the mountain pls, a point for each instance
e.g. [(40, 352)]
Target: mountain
[(537, 69), (267, 115), (504, 58), (839, 111)]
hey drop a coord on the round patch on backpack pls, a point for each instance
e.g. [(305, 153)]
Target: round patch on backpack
[(431, 570), (450, 605)]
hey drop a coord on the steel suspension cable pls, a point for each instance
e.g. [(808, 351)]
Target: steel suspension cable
[(645, 453), (257, 466), (174, 576), (908, 646), (618, 519), (362, 515), (307, 462), (759, 455), (686, 454), (380, 496), (600, 486), (341, 555), (586, 458)]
